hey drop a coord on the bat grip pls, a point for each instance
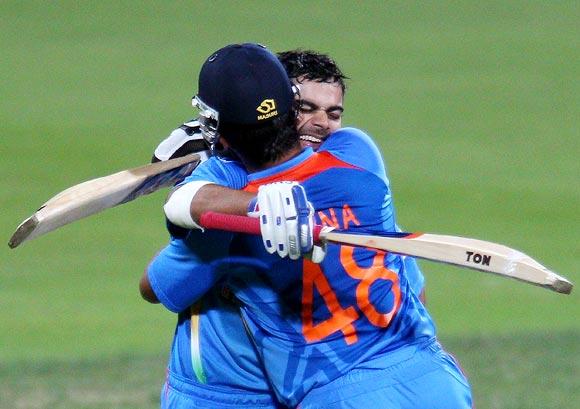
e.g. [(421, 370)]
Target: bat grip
[(239, 224)]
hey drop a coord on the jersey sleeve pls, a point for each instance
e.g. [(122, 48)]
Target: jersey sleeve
[(224, 172), (184, 270), (357, 148)]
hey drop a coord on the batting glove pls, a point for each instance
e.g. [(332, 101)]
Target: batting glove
[(182, 141), (286, 219)]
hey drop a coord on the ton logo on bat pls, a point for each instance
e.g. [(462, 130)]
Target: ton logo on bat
[(478, 258)]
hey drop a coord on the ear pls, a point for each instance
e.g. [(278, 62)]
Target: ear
[(223, 142)]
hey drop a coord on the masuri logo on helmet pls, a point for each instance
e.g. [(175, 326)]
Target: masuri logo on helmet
[(267, 108)]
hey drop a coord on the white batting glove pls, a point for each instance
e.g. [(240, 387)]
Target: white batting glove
[(286, 219), (182, 141)]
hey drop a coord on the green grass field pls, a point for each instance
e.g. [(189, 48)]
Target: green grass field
[(474, 104)]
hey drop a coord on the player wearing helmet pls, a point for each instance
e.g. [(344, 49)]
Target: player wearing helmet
[(321, 88)]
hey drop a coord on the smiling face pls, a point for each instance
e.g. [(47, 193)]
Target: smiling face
[(320, 111)]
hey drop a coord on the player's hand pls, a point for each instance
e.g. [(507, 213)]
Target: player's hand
[(319, 250), (286, 219)]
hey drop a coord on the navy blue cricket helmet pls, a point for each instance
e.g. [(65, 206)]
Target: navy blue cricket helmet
[(241, 84)]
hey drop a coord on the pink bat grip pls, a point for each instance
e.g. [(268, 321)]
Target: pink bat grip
[(238, 224)]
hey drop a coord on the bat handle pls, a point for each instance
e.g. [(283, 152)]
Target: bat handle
[(239, 224)]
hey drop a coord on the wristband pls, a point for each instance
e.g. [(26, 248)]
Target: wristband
[(177, 208)]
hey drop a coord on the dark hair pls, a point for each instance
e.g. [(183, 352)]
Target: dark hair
[(258, 145), (312, 66)]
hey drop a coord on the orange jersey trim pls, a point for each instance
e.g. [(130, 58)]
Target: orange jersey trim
[(315, 164)]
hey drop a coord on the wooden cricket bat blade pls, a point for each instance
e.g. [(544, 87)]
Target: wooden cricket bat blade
[(95, 195), (460, 251), (23, 231)]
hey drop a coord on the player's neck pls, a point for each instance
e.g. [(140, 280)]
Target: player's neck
[(291, 153)]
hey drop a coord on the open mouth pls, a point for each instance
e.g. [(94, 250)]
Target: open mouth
[(311, 139)]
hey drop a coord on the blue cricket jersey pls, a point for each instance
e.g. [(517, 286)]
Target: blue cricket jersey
[(230, 173), (311, 323), (211, 346)]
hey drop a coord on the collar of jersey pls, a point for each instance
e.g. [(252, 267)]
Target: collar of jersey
[(302, 156)]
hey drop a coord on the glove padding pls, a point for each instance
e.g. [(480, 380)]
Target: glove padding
[(286, 219), (182, 141)]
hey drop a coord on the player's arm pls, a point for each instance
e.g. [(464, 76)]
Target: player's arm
[(145, 288), (216, 198), (213, 186), (415, 276), (182, 141), (185, 269), (357, 148), (286, 216)]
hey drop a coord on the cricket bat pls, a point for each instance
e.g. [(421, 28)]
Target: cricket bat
[(96, 195), (459, 251)]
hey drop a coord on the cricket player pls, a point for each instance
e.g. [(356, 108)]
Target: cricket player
[(228, 364), (343, 333)]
